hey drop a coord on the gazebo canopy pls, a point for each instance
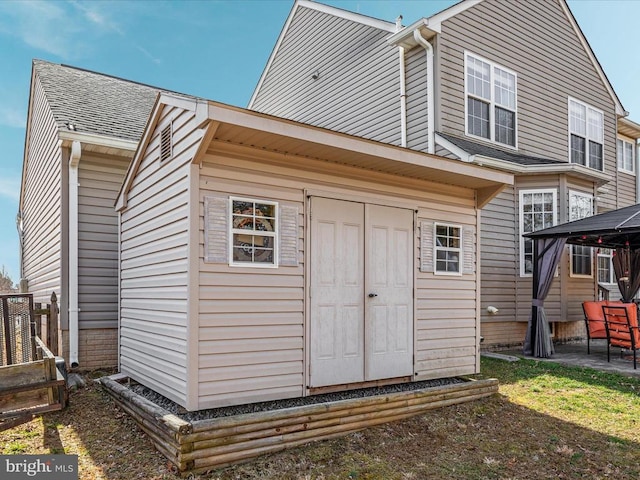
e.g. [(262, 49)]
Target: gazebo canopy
[(615, 229)]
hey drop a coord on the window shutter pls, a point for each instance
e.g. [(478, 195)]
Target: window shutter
[(215, 229), (426, 246), (469, 250), (288, 236)]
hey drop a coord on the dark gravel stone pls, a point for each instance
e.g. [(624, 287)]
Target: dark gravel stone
[(176, 409)]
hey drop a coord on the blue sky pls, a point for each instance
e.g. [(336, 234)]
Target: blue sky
[(213, 49)]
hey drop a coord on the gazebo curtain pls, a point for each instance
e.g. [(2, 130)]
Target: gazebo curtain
[(626, 266), (546, 255)]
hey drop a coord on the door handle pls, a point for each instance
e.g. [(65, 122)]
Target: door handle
[(371, 295)]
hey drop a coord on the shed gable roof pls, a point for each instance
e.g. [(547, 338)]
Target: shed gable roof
[(95, 103)]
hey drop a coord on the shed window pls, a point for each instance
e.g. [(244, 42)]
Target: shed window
[(625, 156), (580, 206), (448, 249), (490, 101), (537, 211), (253, 232), (586, 135)]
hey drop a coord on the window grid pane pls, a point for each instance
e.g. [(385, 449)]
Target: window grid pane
[(537, 213), (478, 79), (253, 226), (605, 270), (578, 150), (447, 249), (595, 156), (478, 121), (505, 89), (505, 127)]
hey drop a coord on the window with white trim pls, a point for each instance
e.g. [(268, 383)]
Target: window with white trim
[(490, 92), (580, 206), (254, 229), (537, 211), (605, 265), (586, 135), (626, 157), (447, 249)]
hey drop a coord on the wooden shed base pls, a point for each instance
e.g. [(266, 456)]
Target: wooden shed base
[(219, 442)]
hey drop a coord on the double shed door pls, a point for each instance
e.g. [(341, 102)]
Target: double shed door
[(361, 292)]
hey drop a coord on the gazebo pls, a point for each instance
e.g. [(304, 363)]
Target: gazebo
[(617, 229)]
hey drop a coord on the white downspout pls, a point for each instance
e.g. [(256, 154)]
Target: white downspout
[(74, 161), (403, 99), (403, 89), (430, 89)]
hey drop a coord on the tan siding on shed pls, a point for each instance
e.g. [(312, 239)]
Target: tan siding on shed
[(154, 264), (42, 203), (252, 320)]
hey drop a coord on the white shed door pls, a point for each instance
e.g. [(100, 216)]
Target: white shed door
[(361, 292)]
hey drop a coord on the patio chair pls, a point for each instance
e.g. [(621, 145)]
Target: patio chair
[(594, 321), (621, 322)]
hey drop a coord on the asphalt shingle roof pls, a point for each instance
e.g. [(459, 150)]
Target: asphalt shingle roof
[(474, 148), (96, 103)]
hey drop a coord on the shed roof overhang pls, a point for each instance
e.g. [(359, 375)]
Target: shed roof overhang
[(298, 141)]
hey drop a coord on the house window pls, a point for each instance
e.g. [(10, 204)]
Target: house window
[(586, 135), (491, 101), (625, 156), (253, 232), (537, 211), (448, 249), (580, 206), (605, 266)]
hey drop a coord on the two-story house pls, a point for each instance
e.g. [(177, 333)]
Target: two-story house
[(83, 128), (512, 86)]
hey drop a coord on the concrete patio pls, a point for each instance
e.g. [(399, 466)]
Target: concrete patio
[(575, 354)]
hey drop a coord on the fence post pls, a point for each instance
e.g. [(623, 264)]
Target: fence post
[(52, 324)]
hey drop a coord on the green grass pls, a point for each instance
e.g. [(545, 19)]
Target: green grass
[(548, 421), (603, 402)]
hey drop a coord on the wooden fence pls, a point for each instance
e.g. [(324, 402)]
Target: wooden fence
[(30, 381)]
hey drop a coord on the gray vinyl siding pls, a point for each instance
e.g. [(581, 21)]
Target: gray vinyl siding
[(100, 179), (499, 256), (416, 88), (154, 264), (535, 40), (42, 202), (357, 91)]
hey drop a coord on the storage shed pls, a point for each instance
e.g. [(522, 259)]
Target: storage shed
[(264, 259)]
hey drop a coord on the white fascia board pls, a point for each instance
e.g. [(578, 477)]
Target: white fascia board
[(347, 15), (453, 148), (435, 21), (68, 137), (405, 38)]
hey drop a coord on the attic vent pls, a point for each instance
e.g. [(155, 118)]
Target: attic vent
[(166, 147)]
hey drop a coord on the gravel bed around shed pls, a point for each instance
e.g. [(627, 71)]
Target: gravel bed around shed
[(177, 410)]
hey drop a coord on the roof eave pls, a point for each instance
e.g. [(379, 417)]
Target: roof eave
[(569, 168)]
